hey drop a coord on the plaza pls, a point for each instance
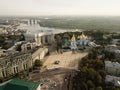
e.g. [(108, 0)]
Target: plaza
[(68, 64), (67, 60)]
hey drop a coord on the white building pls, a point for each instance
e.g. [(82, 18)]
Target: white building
[(12, 64), (112, 80), (3, 31), (111, 47), (28, 46), (115, 41), (40, 37), (112, 68), (114, 48), (39, 54)]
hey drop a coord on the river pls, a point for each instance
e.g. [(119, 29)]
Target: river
[(36, 27)]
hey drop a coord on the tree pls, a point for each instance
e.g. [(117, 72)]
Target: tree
[(22, 37), (84, 86), (18, 48), (102, 73), (91, 73), (99, 64), (90, 84), (111, 88), (93, 54), (99, 88), (84, 72), (109, 55), (98, 79), (6, 45), (66, 36), (38, 63)]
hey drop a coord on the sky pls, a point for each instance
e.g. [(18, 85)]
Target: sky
[(59, 7)]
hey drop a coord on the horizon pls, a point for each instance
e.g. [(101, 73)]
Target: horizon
[(60, 16)]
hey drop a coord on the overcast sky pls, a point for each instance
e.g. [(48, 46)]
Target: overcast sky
[(60, 7)]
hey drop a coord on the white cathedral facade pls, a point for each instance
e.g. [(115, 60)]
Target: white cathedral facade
[(40, 37)]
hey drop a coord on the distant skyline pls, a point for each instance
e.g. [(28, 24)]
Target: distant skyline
[(59, 7)]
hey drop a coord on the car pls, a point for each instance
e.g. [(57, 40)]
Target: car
[(56, 62)]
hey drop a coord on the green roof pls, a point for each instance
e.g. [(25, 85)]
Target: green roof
[(16, 84)]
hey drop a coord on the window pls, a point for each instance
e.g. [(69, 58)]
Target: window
[(16, 69), (25, 66), (4, 72)]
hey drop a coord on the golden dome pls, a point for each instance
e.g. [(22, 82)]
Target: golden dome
[(78, 37), (82, 36), (73, 38)]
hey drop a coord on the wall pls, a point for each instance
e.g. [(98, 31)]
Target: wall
[(39, 54), (39, 88)]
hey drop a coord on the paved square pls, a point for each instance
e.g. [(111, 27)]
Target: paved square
[(67, 60)]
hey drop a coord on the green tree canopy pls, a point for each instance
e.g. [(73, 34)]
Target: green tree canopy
[(99, 88), (38, 63), (90, 84)]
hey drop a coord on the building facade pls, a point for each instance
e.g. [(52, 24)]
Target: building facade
[(112, 68), (112, 80), (39, 54), (14, 64), (40, 37)]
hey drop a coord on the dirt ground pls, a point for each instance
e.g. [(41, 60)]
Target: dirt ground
[(66, 60), (52, 72)]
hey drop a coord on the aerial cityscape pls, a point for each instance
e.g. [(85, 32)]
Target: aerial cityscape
[(59, 45)]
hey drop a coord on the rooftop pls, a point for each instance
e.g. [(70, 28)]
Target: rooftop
[(112, 64), (113, 79), (17, 84)]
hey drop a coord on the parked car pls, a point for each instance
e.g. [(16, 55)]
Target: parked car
[(56, 62)]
